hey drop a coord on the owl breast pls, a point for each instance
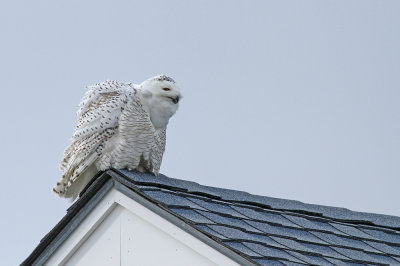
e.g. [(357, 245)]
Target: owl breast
[(135, 143)]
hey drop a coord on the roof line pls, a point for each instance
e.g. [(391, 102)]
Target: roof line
[(318, 211)]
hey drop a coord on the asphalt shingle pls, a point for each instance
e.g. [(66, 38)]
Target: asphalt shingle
[(242, 248), (364, 257), (313, 224), (221, 219), (352, 231), (270, 262), (324, 250), (216, 207), (171, 199), (292, 244), (340, 262), (285, 231), (271, 252), (265, 216), (383, 236), (290, 263), (345, 242), (211, 232), (192, 215), (392, 250), (314, 260)]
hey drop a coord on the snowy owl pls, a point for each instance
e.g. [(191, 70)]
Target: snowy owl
[(120, 125)]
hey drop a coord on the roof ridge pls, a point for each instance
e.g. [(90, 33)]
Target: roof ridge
[(337, 214)]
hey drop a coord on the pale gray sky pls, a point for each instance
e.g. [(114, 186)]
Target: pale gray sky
[(290, 99)]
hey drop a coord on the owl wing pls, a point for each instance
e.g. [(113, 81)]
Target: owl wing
[(98, 119), (101, 107)]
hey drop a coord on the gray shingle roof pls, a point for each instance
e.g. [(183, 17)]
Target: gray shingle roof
[(270, 231)]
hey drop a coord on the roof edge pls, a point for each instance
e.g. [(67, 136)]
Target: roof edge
[(339, 214)]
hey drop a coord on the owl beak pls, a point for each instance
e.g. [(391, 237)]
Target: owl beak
[(175, 100)]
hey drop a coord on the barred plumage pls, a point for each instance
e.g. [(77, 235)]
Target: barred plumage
[(120, 125)]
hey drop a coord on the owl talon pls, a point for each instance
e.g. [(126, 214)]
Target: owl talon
[(141, 169)]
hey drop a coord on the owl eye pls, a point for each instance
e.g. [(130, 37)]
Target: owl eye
[(166, 89)]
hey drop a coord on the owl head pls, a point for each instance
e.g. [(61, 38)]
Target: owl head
[(160, 97)]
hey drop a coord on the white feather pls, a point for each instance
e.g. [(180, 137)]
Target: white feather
[(120, 125)]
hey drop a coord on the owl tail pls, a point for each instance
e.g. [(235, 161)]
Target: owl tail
[(81, 182), (74, 180)]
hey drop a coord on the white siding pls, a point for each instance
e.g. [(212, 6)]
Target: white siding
[(143, 242), (102, 247), (120, 231)]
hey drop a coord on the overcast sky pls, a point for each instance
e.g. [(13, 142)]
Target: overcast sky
[(289, 99)]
